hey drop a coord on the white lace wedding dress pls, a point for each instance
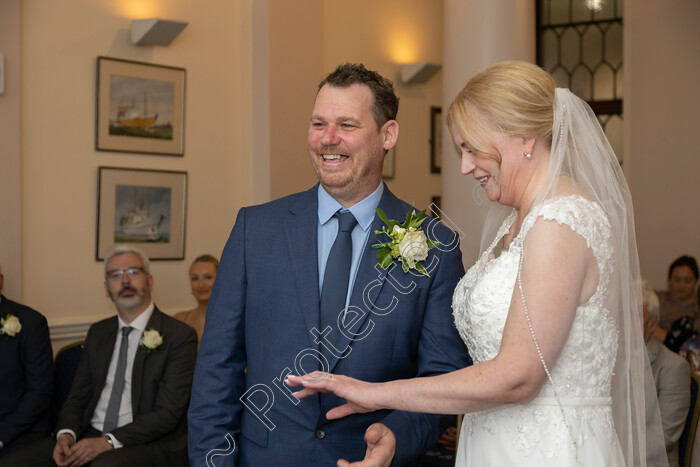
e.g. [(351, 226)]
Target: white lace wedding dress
[(541, 432)]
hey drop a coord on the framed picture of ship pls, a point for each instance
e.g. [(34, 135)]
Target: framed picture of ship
[(140, 107), (143, 208)]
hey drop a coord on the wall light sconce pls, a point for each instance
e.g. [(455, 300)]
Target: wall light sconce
[(155, 31), (420, 72)]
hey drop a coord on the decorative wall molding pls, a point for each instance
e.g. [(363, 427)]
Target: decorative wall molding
[(73, 329)]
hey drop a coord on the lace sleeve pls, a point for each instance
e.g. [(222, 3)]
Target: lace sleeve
[(584, 217)]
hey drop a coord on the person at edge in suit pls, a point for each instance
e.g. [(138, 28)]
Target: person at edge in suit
[(128, 401), (268, 304), (27, 375), (671, 377)]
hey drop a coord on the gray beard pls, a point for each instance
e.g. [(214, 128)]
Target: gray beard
[(133, 305)]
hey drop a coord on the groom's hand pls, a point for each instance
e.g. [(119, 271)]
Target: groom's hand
[(381, 446)]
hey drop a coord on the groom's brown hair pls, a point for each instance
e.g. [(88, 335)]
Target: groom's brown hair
[(386, 104)]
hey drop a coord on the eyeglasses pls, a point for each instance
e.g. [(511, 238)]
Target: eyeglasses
[(131, 273)]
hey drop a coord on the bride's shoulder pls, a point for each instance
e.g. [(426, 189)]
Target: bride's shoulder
[(568, 200), (576, 211), (574, 202)]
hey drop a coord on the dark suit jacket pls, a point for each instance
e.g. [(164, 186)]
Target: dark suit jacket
[(26, 378), (672, 378), (160, 386), (264, 304)]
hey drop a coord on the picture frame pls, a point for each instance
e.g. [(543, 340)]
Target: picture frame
[(435, 140), (388, 169), (139, 107), (144, 208)]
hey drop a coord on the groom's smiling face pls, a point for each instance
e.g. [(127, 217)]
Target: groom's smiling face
[(346, 147)]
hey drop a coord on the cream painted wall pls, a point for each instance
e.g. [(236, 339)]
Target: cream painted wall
[(10, 155), (296, 41), (255, 97), (662, 113), (60, 43)]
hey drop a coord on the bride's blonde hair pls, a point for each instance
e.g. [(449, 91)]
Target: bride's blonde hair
[(512, 98)]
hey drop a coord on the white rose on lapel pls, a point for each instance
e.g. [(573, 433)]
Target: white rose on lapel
[(10, 325), (408, 242), (413, 247), (151, 340)]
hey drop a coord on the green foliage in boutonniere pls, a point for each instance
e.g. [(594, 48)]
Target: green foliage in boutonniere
[(151, 340), (408, 242), (10, 325)]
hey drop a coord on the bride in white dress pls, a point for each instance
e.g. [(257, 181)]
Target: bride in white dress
[(551, 311)]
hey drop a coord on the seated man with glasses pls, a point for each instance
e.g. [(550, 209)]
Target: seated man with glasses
[(129, 398)]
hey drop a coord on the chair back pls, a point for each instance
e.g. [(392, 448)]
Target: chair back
[(66, 365), (685, 444)]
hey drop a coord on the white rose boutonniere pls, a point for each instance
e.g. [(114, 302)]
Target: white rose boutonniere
[(413, 248), (408, 243), (151, 340), (10, 325)]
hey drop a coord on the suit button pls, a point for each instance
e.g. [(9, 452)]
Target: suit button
[(320, 434)]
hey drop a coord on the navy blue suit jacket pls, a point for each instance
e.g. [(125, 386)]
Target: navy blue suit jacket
[(263, 309), (26, 378)]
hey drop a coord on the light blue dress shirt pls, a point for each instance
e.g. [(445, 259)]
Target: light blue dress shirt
[(363, 211)]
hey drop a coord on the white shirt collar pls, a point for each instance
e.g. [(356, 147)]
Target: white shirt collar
[(141, 321)]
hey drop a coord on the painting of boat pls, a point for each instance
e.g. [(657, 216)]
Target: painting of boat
[(127, 115), (141, 107), (142, 214)]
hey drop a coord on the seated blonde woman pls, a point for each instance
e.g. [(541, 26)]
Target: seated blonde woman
[(202, 275)]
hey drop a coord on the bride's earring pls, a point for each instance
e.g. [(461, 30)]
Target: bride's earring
[(528, 155)]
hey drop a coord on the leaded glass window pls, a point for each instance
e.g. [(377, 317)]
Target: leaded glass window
[(579, 42)]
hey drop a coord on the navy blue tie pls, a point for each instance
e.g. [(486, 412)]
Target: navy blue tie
[(337, 275)]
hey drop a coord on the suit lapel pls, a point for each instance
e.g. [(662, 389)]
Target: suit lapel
[(154, 322), (369, 280), (104, 357), (302, 244)]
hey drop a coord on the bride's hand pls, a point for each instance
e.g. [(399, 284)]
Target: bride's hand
[(356, 393)]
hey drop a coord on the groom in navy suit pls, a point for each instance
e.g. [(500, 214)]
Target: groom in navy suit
[(267, 318)]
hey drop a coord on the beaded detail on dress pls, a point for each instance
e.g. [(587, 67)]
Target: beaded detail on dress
[(583, 372)]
